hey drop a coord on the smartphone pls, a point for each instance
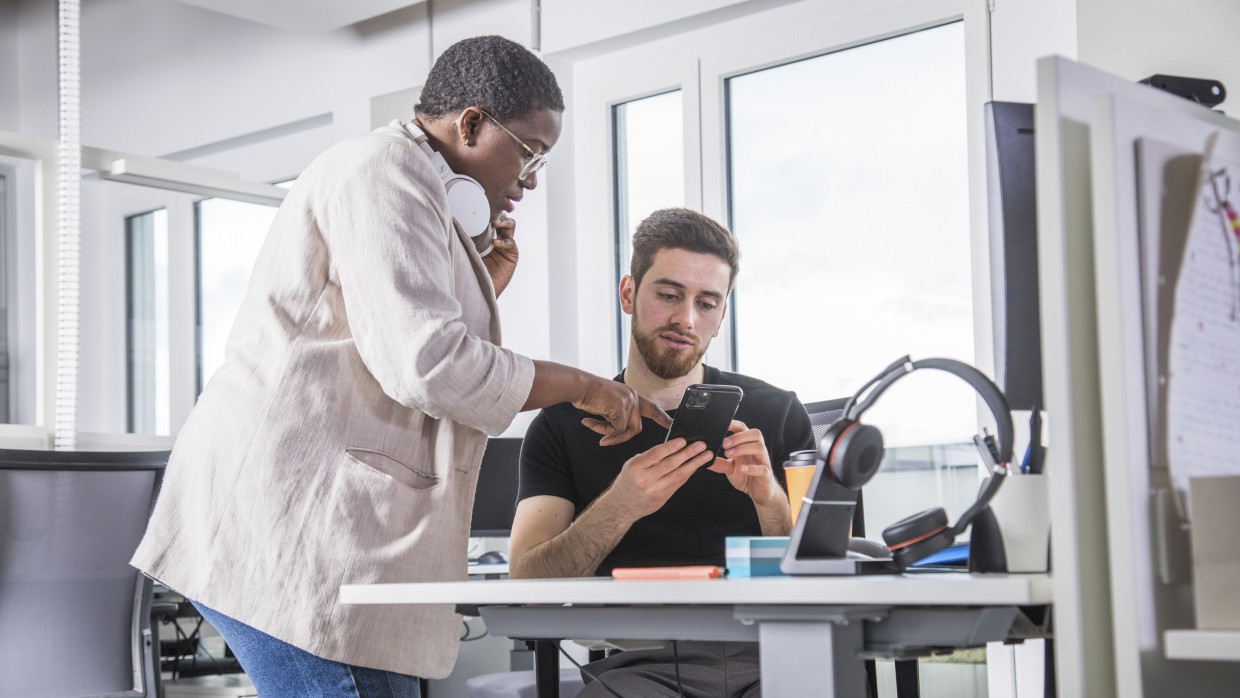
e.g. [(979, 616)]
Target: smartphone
[(705, 413)]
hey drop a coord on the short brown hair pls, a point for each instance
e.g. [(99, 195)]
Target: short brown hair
[(683, 229)]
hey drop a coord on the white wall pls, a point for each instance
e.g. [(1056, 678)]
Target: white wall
[(1131, 38), (1139, 38), (1021, 32), (570, 24), (8, 67), (167, 79)]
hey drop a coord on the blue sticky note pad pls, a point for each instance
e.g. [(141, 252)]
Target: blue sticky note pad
[(754, 556)]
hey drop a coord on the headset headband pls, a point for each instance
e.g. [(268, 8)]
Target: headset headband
[(420, 137), (990, 393)]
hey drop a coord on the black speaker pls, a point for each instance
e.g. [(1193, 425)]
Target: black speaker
[(1010, 188)]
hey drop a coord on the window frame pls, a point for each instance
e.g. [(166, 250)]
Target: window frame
[(119, 202)]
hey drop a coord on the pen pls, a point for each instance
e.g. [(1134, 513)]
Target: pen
[(1035, 440), (990, 445), (992, 463)]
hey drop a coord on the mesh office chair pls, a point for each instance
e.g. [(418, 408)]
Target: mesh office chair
[(821, 416), (75, 615)]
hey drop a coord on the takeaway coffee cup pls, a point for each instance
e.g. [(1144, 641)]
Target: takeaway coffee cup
[(799, 471)]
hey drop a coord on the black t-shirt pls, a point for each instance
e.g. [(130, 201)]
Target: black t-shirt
[(562, 458)]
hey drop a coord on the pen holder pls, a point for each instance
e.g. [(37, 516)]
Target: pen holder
[(1022, 521)]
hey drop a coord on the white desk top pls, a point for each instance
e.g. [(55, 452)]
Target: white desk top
[(1211, 645), (926, 589)]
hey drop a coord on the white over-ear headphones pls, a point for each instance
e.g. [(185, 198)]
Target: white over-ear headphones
[(467, 200)]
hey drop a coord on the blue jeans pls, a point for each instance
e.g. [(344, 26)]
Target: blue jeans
[(279, 669)]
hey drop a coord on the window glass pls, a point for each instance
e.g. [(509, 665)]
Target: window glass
[(146, 241), (849, 196), (649, 175), (229, 235)]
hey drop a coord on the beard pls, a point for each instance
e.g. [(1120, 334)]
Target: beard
[(665, 363)]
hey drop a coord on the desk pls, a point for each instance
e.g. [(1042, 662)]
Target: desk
[(797, 620)]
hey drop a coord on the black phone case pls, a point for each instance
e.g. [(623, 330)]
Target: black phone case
[(704, 414)]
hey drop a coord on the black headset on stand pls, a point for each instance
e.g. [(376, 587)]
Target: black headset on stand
[(850, 453)]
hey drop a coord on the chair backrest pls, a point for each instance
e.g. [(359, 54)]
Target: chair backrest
[(822, 415), (74, 613)]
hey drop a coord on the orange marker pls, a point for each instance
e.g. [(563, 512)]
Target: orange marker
[(687, 572)]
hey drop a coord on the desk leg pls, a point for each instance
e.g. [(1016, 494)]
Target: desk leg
[(546, 669), (811, 652)]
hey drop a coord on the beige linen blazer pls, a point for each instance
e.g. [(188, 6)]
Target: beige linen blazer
[(340, 441)]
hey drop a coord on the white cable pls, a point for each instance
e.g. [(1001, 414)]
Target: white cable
[(68, 291)]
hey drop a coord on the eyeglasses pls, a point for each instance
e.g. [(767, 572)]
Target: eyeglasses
[(533, 161)]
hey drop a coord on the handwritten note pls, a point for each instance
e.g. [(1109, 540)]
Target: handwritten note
[(1203, 381)]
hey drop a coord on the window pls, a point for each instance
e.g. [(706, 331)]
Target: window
[(650, 175), (852, 212), (848, 180), (833, 139), (229, 236), (147, 296)]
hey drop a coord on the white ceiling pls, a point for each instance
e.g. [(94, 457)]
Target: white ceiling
[(304, 15)]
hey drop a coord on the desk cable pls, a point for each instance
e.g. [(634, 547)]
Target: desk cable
[(193, 642), (467, 632), (675, 658)]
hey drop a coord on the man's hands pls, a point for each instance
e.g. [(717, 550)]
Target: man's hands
[(501, 261), (748, 468), (548, 542), (649, 479), (747, 465)]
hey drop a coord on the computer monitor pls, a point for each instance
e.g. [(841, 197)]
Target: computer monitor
[(495, 502), (1014, 252)]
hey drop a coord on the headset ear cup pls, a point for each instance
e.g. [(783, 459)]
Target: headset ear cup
[(856, 454), (827, 445), (914, 528), (467, 201), (918, 536)]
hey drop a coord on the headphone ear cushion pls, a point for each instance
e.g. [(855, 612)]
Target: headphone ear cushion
[(854, 454), (467, 201), (915, 528)]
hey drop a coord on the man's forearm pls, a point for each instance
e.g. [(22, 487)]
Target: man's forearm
[(775, 516), (579, 550)]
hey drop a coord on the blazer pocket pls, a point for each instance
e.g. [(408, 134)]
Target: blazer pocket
[(401, 472)]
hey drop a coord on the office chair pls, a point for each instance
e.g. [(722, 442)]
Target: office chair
[(821, 416), (76, 616)]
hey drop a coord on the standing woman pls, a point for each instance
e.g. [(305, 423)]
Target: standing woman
[(340, 441)]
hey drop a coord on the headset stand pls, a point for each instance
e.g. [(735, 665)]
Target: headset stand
[(838, 566), (986, 552), (819, 543)]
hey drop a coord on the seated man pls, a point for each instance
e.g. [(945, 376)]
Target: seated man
[(585, 509)]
